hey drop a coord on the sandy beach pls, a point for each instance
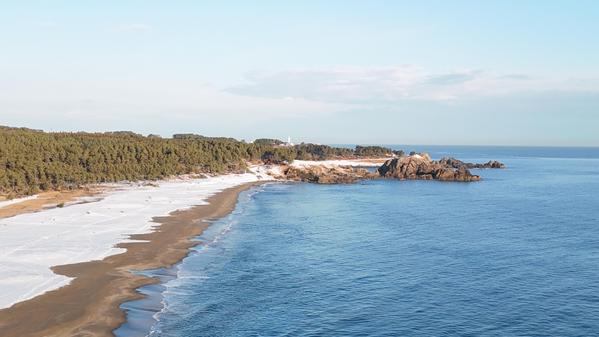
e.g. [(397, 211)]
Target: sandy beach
[(67, 257), (89, 305), (44, 200)]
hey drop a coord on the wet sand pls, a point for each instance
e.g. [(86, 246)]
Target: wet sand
[(89, 305)]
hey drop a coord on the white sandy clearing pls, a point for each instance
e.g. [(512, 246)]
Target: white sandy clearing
[(274, 171), (332, 163), (5, 203), (33, 242)]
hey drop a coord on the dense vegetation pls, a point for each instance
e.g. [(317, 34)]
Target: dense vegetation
[(32, 160), (268, 141), (375, 151)]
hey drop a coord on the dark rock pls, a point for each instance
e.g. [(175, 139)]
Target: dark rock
[(414, 167), (456, 163), (494, 164), (451, 162), (421, 167)]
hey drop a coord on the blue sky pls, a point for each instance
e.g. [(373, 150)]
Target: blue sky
[(426, 72)]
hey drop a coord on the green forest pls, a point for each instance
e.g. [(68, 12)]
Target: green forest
[(33, 160)]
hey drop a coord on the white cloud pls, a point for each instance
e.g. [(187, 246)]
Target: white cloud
[(126, 104), (367, 105), (394, 84)]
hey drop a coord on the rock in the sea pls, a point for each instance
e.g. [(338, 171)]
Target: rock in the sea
[(456, 163), (421, 167), (492, 164)]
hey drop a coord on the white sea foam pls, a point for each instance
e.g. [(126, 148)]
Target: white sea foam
[(33, 242)]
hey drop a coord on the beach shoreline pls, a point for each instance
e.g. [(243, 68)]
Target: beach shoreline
[(78, 283), (90, 304)]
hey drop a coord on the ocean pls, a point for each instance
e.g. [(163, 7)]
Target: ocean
[(516, 254)]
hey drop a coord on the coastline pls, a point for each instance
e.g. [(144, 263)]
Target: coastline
[(72, 267), (89, 305)]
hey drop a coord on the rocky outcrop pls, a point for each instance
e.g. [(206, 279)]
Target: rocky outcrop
[(413, 167), (492, 164), (456, 163), (327, 175), (421, 167)]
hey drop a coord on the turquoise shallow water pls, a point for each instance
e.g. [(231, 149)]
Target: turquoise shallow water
[(516, 254)]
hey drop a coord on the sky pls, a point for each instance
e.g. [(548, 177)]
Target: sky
[(373, 72)]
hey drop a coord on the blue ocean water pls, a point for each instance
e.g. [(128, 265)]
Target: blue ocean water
[(516, 254)]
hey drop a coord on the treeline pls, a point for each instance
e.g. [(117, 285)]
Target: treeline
[(33, 160), (375, 151)]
